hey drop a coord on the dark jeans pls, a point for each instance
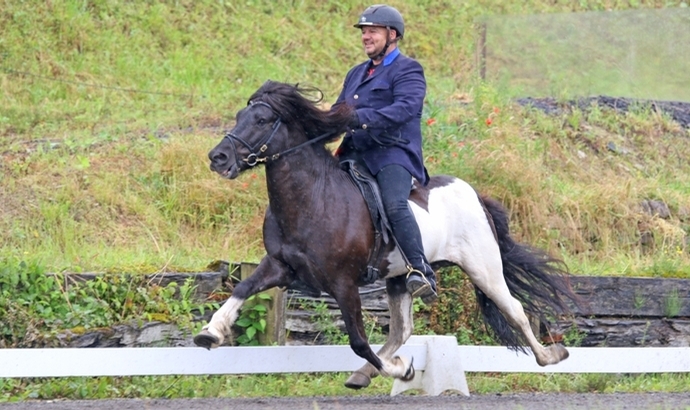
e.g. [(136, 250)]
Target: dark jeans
[(395, 183)]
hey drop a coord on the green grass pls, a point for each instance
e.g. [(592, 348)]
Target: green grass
[(565, 54), (578, 383), (321, 384), (109, 112), (327, 384), (108, 109)]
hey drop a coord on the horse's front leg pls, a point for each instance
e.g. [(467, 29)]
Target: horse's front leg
[(270, 273), (400, 307), (351, 307)]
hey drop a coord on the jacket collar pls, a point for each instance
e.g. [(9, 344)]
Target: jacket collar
[(387, 60)]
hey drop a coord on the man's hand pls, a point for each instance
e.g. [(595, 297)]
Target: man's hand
[(354, 120)]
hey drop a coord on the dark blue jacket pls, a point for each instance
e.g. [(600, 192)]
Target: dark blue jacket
[(389, 106)]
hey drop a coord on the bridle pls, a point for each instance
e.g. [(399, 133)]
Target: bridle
[(254, 151), (262, 146)]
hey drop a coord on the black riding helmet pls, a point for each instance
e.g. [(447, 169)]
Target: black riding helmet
[(382, 15)]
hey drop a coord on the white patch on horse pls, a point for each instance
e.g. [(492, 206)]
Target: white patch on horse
[(455, 228)]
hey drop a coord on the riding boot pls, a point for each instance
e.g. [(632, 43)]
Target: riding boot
[(421, 280), (395, 184)]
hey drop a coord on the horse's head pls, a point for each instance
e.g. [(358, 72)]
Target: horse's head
[(247, 144), (278, 119)]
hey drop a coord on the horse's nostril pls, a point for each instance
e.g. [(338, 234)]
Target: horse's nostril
[(218, 157)]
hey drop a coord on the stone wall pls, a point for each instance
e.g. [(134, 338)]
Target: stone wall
[(618, 312)]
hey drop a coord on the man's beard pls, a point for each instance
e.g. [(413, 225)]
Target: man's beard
[(375, 53)]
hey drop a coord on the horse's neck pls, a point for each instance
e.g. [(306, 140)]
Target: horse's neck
[(301, 186)]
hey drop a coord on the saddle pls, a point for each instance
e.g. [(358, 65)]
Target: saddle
[(372, 196)]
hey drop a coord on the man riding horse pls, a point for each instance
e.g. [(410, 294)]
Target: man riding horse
[(387, 92)]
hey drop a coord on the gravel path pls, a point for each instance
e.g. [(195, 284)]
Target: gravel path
[(523, 401)]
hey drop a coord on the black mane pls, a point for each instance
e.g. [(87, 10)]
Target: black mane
[(296, 109)]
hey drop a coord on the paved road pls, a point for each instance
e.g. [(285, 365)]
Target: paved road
[(523, 401)]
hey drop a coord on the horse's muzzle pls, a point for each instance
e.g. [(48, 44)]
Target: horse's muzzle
[(223, 164), (229, 172)]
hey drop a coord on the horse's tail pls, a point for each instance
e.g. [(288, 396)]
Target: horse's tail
[(540, 282)]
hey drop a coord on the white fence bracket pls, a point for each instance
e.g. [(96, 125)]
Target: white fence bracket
[(443, 371)]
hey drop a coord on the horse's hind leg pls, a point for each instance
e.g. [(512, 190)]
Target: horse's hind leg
[(270, 273), (351, 307), (487, 274), (400, 307)]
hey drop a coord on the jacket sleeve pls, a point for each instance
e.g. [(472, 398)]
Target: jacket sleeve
[(409, 89)]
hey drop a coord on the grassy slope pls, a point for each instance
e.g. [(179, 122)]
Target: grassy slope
[(102, 178)]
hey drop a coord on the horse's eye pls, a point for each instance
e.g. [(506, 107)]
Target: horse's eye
[(262, 121)]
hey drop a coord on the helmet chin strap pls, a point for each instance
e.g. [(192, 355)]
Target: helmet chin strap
[(388, 43)]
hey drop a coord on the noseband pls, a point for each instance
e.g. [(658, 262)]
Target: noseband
[(259, 148)]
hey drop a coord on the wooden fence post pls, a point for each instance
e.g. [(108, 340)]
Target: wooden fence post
[(480, 52), (275, 317)]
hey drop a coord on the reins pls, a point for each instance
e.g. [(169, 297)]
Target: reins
[(262, 146)]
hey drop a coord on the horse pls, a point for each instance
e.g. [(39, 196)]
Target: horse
[(318, 231)]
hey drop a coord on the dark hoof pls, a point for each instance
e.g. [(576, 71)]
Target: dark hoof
[(562, 352), (357, 380), (206, 339), (409, 374)]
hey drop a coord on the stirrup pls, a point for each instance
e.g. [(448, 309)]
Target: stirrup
[(422, 288), (411, 270), (424, 291)]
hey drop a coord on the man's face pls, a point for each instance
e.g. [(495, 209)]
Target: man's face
[(374, 39)]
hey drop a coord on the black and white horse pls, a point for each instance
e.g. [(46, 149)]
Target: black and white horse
[(318, 230)]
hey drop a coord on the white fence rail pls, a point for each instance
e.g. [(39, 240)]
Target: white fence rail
[(439, 362)]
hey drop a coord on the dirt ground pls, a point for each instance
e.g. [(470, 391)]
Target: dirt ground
[(524, 401), (678, 111)]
